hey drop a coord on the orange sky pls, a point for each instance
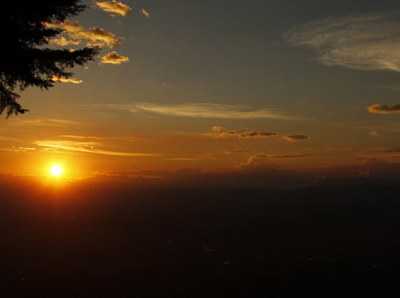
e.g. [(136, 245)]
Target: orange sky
[(253, 87)]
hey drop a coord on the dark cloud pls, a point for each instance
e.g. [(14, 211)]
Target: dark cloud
[(256, 134), (218, 131), (384, 108), (296, 137)]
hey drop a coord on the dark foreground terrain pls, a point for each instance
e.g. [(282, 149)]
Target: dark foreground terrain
[(87, 240)]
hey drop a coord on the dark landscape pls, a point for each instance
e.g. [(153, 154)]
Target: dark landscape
[(116, 240)]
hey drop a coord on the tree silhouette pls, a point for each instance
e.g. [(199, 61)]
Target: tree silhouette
[(25, 60)]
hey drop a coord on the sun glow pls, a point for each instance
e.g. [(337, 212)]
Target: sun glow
[(56, 170)]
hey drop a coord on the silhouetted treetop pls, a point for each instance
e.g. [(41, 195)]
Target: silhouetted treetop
[(25, 60)]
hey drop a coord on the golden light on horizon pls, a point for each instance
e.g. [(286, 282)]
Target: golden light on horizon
[(56, 170)]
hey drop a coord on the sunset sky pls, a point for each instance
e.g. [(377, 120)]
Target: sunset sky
[(280, 88)]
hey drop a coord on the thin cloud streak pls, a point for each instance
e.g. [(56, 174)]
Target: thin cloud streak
[(86, 147), (364, 41), (238, 151), (96, 138), (67, 80), (202, 110), (42, 122)]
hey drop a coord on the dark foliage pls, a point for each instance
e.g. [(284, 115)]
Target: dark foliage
[(25, 60)]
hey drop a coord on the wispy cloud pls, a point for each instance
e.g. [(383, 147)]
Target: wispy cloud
[(42, 122), (95, 35), (84, 147), (97, 138), (384, 109), (19, 149), (294, 138), (113, 58), (115, 7), (363, 41), (145, 13), (202, 110), (9, 139), (218, 131)]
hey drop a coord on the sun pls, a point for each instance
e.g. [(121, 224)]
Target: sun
[(56, 170)]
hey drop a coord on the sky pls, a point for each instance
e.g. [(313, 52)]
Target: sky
[(268, 92)]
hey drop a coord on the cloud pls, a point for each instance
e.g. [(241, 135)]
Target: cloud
[(95, 35), (256, 134), (19, 149), (145, 13), (62, 41), (259, 162), (96, 138), (384, 109), (202, 110), (218, 131), (67, 80), (238, 151), (43, 123), (85, 147), (113, 58), (363, 41), (115, 7), (374, 168), (294, 138)]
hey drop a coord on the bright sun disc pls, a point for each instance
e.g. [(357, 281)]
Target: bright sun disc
[(56, 170)]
